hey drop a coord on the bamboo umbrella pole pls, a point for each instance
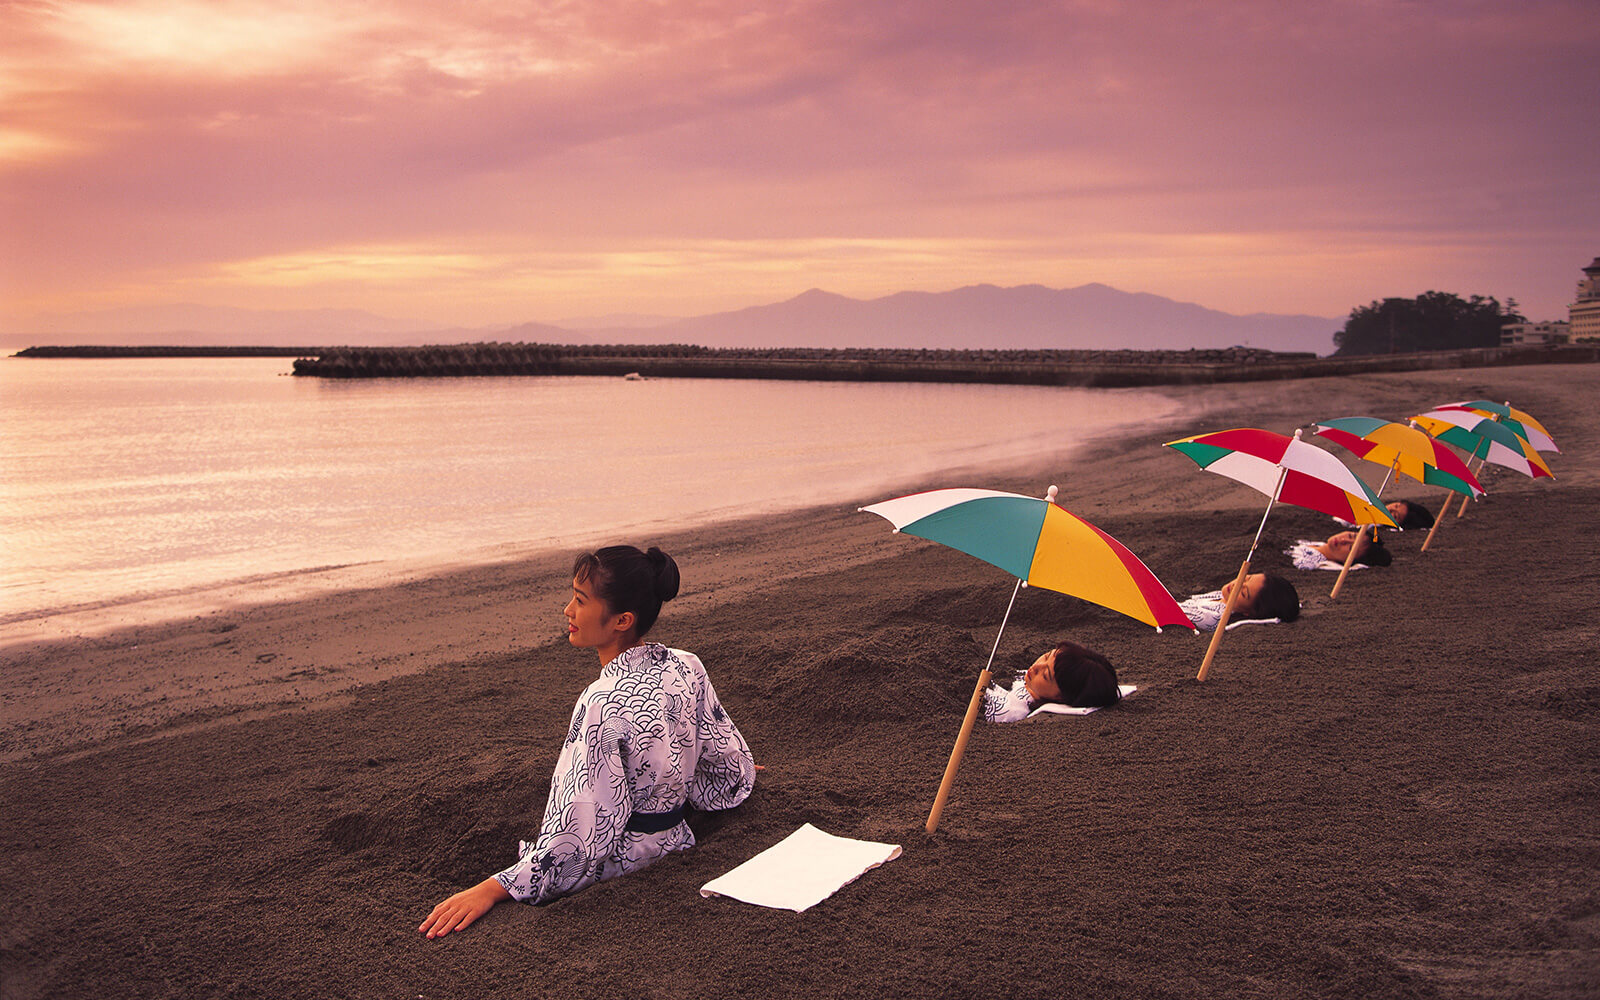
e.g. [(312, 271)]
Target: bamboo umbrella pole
[(1349, 560), (1446, 508), (968, 722), (1350, 557), (1481, 463), (1449, 496), (1238, 583)]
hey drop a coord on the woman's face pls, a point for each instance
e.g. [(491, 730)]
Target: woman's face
[(1398, 509), (590, 624), (1247, 593), (1040, 680), (1338, 546)]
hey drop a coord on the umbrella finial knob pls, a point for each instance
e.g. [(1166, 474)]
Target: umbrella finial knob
[(1050, 494), (1298, 431)]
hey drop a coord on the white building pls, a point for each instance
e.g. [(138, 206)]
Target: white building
[(1585, 313), (1535, 334)]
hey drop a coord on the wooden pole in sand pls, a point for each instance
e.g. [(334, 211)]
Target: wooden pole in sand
[(1227, 612), (1440, 519), (1481, 463), (1349, 560), (968, 722), (1350, 557), (1238, 583)]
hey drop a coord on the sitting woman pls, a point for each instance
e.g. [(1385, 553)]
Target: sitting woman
[(1263, 596), (1310, 554), (1069, 674), (647, 739)]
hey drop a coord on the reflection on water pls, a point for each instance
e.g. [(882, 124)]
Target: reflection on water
[(135, 477)]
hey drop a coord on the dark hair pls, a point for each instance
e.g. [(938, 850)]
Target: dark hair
[(1277, 598), (1417, 516), (629, 580), (1086, 679), (1376, 554)]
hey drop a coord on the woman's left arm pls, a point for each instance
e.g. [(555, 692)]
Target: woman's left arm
[(588, 808)]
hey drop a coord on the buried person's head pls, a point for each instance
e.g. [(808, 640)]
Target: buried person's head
[(1265, 595), (1410, 515), (1073, 675)]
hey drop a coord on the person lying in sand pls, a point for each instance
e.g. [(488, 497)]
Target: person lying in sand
[(1408, 516), (1264, 595), (648, 739), (1069, 674), (1310, 554)]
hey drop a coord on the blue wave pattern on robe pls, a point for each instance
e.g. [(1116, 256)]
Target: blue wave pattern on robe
[(1205, 610), (1008, 704), (647, 736)]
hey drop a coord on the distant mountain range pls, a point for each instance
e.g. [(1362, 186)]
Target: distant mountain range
[(1090, 316)]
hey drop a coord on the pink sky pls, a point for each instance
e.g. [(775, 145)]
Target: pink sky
[(497, 162)]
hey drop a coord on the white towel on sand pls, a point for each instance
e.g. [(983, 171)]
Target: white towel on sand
[(1056, 708), (801, 870)]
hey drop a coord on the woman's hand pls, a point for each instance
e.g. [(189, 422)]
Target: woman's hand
[(460, 910)]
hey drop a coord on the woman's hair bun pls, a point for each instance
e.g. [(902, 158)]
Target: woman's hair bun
[(666, 573)]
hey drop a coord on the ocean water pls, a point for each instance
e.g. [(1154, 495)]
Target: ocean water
[(123, 481)]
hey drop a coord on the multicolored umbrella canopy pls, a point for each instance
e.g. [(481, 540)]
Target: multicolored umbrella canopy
[(1310, 477), (1404, 449), (1039, 542), (1527, 428), (1483, 437)]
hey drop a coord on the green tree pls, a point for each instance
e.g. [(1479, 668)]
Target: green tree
[(1433, 321)]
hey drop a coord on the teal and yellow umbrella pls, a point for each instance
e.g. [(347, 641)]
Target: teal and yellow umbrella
[(1402, 448), (1527, 428), (1484, 438), (1041, 544)]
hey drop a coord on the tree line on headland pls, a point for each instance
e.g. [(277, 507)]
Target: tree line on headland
[(1433, 321)]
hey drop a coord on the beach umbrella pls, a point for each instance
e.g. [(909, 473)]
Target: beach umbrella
[(1401, 448), (1485, 439), (1527, 428), (1042, 545), (1286, 470)]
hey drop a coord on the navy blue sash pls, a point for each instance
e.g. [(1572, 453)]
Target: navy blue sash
[(641, 822)]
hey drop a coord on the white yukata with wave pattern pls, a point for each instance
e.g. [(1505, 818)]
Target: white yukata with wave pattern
[(647, 737), (1008, 704)]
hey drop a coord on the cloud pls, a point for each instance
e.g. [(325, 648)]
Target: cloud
[(155, 141)]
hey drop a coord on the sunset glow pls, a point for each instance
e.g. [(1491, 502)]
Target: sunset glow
[(470, 165)]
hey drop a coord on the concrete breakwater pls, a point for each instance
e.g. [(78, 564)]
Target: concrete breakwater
[(1106, 369), (100, 351)]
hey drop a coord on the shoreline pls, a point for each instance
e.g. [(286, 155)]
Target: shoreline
[(1390, 798), (431, 612)]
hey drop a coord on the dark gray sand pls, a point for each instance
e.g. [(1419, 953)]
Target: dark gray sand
[(1394, 796)]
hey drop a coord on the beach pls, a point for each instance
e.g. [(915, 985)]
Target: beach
[(1394, 796)]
